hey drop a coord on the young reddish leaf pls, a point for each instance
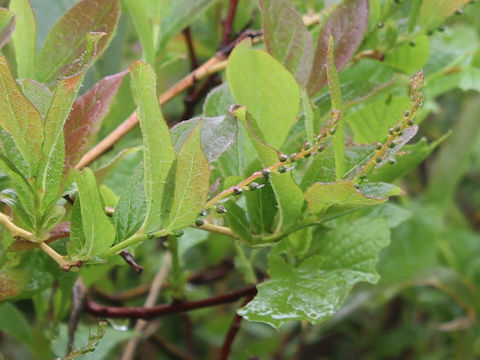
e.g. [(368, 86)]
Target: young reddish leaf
[(287, 39), (20, 118), (347, 24), (86, 117), (7, 24), (24, 38), (65, 43)]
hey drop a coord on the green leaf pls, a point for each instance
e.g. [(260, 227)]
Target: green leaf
[(347, 24), (159, 153), (103, 173), (7, 24), (288, 194), (24, 38), (371, 122), (332, 199), (138, 12), (408, 58), (434, 12), (92, 233), (177, 16), (308, 117), (337, 104), (85, 117), (410, 157), (452, 161), (218, 134), (24, 190), (287, 39), (63, 47), (20, 119), (218, 101), (238, 222), (15, 324), (38, 94), (380, 189), (192, 179), (130, 210), (316, 288), (266, 88), (50, 179)]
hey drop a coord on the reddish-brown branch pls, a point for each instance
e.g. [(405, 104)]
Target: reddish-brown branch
[(232, 333), (131, 261), (190, 49), (169, 348), (228, 22), (96, 309)]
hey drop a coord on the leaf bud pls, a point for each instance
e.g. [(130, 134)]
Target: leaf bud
[(282, 169), (412, 43), (321, 148), (253, 185), (178, 233), (306, 145), (411, 122), (266, 173), (406, 113), (391, 131), (392, 161), (293, 157), (398, 128), (380, 25), (332, 130), (203, 212), (378, 159), (379, 146), (283, 158), (237, 191), (391, 145), (220, 209), (200, 222)]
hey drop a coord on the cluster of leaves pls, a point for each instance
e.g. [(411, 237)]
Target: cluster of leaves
[(292, 158)]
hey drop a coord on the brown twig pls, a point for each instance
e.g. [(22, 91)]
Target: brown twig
[(96, 309), (228, 22), (208, 275), (131, 261), (191, 50), (232, 332)]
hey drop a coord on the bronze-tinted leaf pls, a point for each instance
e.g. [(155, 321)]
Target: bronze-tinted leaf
[(347, 24), (86, 117)]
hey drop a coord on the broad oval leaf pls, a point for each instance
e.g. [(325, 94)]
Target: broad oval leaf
[(218, 134), (287, 39), (159, 153), (332, 199), (266, 88), (38, 94), (314, 290), (346, 24), (434, 12), (85, 117), (192, 177), (65, 43)]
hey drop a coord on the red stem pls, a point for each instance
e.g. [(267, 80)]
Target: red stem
[(232, 332), (96, 309), (228, 23)]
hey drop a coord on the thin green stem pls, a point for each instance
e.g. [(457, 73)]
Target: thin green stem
[(217, 229), (177, 282), (132, 240), (244, 266), (14, 230)]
